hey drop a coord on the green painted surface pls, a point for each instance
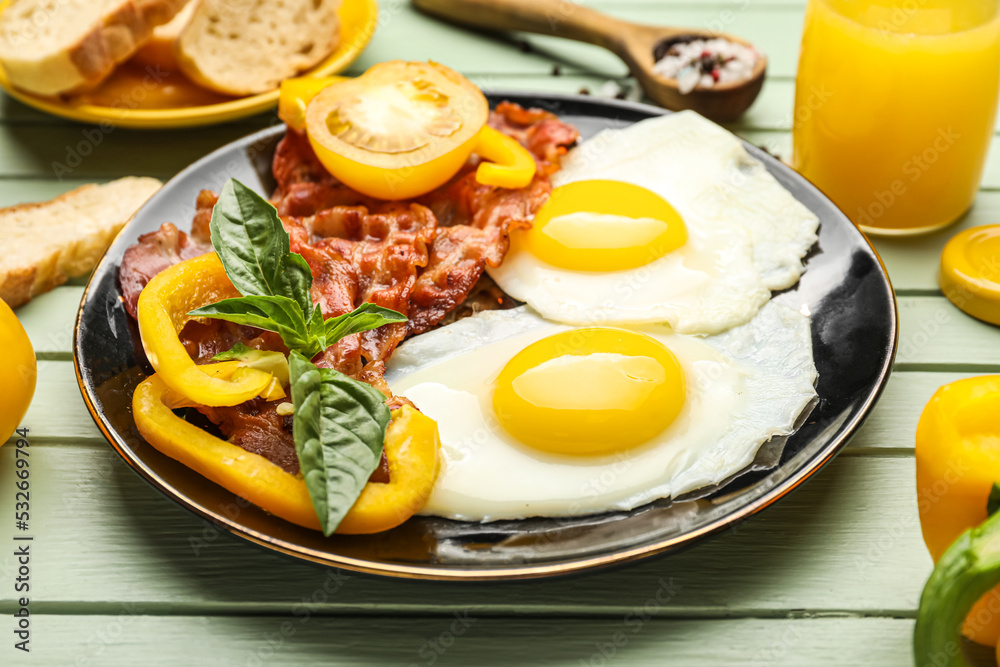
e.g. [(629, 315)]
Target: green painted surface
[(829, 576)]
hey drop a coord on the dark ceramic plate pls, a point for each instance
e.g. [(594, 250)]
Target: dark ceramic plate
[(854, 339)]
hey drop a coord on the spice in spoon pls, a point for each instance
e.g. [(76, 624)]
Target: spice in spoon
[(706, 63)]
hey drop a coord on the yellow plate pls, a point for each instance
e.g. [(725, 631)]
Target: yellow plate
[(126, 93)]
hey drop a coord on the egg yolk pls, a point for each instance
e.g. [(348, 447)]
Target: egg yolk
[(589, 391), (602, 225)]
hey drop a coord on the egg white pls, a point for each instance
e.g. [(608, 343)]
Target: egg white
[(746, 234), (704, 171), (707, 285), (743, 387)]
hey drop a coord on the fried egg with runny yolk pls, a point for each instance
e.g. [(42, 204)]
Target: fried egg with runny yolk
[(543, 419), (606, 252), (638, 230)]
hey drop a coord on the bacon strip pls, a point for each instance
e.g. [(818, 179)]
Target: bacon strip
[(152, 253)]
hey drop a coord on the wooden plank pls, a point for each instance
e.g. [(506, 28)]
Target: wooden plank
[(934, 335), (57, 413), (412, 36), (47, 152), (49, 320), (893, 423), (639, 639), (58, 416), (25, 190), (913, 263), (954, 340), (92, 152), (849, 540), (773, 108)]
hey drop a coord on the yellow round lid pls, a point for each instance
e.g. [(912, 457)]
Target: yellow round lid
[(970, 272)]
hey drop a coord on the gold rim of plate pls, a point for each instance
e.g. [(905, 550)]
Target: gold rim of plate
[(358, 20)]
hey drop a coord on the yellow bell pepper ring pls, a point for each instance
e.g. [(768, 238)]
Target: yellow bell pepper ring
[(510, 164), (17, 372), (958, 461), (411, 449), (163, 311), (296, 94), (970, 272)]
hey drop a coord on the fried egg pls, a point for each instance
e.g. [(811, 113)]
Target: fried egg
[(544, 419), (667, 221)]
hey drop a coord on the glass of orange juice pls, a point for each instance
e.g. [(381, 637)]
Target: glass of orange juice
[(895, 104)]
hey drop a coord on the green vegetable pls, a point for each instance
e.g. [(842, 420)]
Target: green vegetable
[(339, 429), (275, 282), (254, 247), (967, 571), (339, 423), (274, 363)]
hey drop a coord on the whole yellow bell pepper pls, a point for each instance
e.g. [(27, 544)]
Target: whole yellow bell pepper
[(163, 311), (411, 449), (958, 461)]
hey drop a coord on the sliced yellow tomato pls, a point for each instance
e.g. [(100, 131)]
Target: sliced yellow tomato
[(402, 129), (411, 448), (163, 311), (17, 372)]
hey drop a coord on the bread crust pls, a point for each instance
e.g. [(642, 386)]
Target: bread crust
[(32, 265), (92, 57)]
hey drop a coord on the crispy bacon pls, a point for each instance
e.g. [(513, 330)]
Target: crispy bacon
[(203, 207), (305, 187), (423, 258), (540, 131), (259, 429), (152, 253)]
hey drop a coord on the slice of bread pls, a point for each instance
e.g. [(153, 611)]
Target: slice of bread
[(244, 47), (50, 47), (46, 243), (159, 50)]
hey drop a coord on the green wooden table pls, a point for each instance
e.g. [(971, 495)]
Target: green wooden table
[(120, 575)]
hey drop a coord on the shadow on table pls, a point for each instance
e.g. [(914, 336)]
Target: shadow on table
[(781, 560)]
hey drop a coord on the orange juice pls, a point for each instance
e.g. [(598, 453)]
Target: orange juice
[(895, 104)]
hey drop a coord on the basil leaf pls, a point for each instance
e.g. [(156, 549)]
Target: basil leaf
[(339, 428), (272, 313), (237, 351), (365, 317), (316, 328), (255, 248)]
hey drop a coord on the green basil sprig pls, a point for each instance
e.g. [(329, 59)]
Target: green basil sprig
[(255, 250), (339, 428), (340, 423)]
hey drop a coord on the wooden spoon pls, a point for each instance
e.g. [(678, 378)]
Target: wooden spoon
[(638, 45)]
